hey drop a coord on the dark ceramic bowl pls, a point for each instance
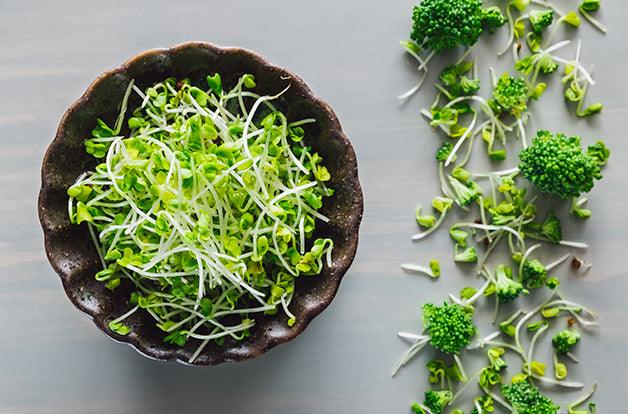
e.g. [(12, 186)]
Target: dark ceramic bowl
[(70, 249)]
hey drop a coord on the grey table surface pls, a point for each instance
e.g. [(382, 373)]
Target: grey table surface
[(53, 360)]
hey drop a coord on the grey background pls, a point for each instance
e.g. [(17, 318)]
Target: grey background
[(52, 360)]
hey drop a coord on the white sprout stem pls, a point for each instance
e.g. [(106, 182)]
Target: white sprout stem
[(573, 357), (557, 262), (576, 245), (595, 22), (522, 133), (409, 354), (566, 384), (511, 31), (460, 141), (123, 317), (536, 336), (584, 397), (411, 336), (415, 88), (463, 374), (417, 269), (501, 173)]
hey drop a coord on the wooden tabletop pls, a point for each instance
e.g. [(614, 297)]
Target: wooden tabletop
[(52, 358)]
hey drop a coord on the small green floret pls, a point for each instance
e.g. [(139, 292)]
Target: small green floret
[(555, 164), (436, 401), (525, 398), (534, 274), (506, 288), (510, 96), (443, 152), (564, 341), (492, 19), (450, 326), (541, 20)]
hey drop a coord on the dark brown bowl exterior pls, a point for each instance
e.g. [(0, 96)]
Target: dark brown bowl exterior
[(70, 249)]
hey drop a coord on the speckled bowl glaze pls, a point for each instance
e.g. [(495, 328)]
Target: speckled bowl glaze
[(70, 249)]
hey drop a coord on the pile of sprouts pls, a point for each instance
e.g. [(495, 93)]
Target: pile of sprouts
[(207, 207), (505, 207)]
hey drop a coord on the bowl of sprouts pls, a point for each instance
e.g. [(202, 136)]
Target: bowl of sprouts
[(200, 204)]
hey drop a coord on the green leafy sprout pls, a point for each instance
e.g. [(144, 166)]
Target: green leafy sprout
[(206, 205)]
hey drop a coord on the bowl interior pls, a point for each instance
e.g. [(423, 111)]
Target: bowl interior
[(70, 249)]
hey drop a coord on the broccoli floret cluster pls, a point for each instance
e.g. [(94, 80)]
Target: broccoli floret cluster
[(510, 96), (534, 274), (555, 164), (541, 20), (450, 326), (437, 400), (492, 19), (506, 288), (564, 341), (446, 24), (525, 398)]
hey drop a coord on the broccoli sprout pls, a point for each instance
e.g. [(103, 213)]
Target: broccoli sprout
[(206, 206)]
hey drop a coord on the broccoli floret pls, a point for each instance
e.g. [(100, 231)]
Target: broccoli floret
[(600, 152), (506, 289), (437, 400), (510, 96), (492, 19), (450, 326), (555, 164), (564, 341), (447, 24), (525, 398), (443, 152), (534, 274), (541, 20)]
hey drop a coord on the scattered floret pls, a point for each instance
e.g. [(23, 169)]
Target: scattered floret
[(555, 164), (450, 326), (510, 96), (564, 341), (447, 24), (436, 401), (525, 398), (541, 20), (534, 274)]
